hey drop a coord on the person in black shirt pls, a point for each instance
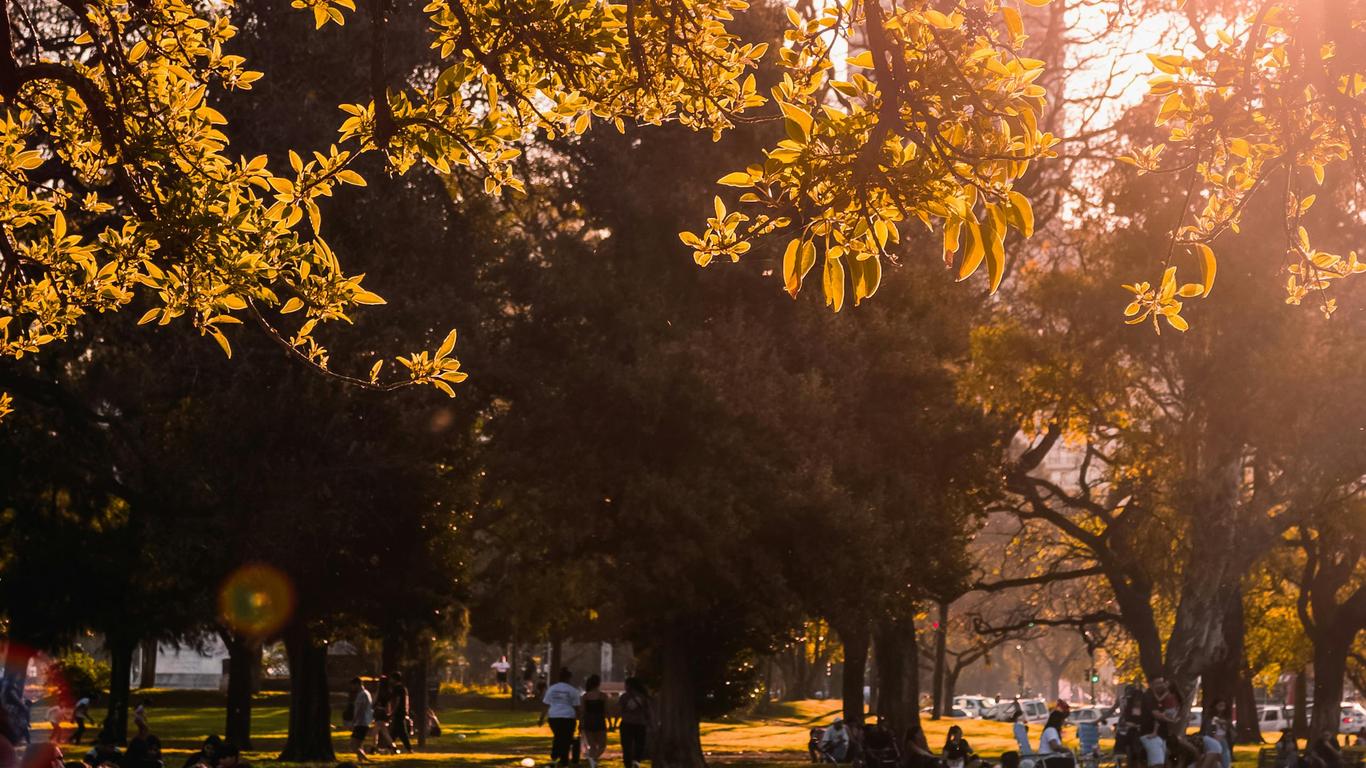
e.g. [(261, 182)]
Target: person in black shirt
[(958, 750), (399, 723)]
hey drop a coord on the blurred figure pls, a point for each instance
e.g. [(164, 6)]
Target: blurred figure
[(500, 673), (593, 719), (140, 719), (1020, 729), (957, 751), (207, 756), (400, 725), (835, 740), (80, 714), (634, 722), (362, 715)]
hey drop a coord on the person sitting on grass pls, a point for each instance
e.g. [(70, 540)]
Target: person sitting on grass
[(957, 750), (835, 741), (232, 757), (915, 752), (207, 756), (103, 753)]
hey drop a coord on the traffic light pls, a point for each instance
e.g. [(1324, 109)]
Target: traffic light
[(1095, 676)]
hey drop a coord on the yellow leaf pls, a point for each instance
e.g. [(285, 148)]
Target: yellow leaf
[(791, 280), (1021, 213), (737, 179), (1208, 265), (834, 284), (1178, 322), (797, 115), (974, 253), (447, 345), (222, 342), (1014, 25), (366, 297), (293, 305), (864, 60)]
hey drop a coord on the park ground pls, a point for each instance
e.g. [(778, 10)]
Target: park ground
[(484, 731)]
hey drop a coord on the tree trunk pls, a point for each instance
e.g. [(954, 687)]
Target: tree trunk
[(951, 681), (1330, 667), (121, 652), (855, 640), (310, 713), (417, 693), (1300, 723), (1230, 537), (898, 662), (677, 742), (390, 652), (1247, 724), (244, 659), (148, 678), (556, 656), (940, 651)]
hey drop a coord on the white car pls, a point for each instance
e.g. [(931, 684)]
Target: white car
[(1353, 718), (975, 706), (1034, 710), (1275, 718), (1103, 717)]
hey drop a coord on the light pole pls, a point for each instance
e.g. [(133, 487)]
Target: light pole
[(1021, 680)]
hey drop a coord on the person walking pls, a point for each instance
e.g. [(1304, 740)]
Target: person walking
[(80, 714), (400, 725), (140, 720), (362, 715), (593, 718), (634, 722), (500, 673), (56, 715), (562, 701)]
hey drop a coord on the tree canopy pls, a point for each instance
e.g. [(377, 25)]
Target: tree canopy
[(122, 187)]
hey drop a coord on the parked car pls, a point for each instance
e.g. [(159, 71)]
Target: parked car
[(1275, 718), (1035, 710), (975, 706), (1103, 717), (953, 713), (1353, 718)]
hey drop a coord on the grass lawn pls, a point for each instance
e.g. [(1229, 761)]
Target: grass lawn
[(482, 731)]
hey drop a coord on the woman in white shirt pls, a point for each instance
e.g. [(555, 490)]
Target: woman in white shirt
[(1050, 741), (562, 701)]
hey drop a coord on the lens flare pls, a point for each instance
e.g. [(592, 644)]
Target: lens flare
[(256, 600)]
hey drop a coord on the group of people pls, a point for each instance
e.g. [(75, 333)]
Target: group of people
[(591, 713), (879, 747), (143, 749), (386, 715)]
